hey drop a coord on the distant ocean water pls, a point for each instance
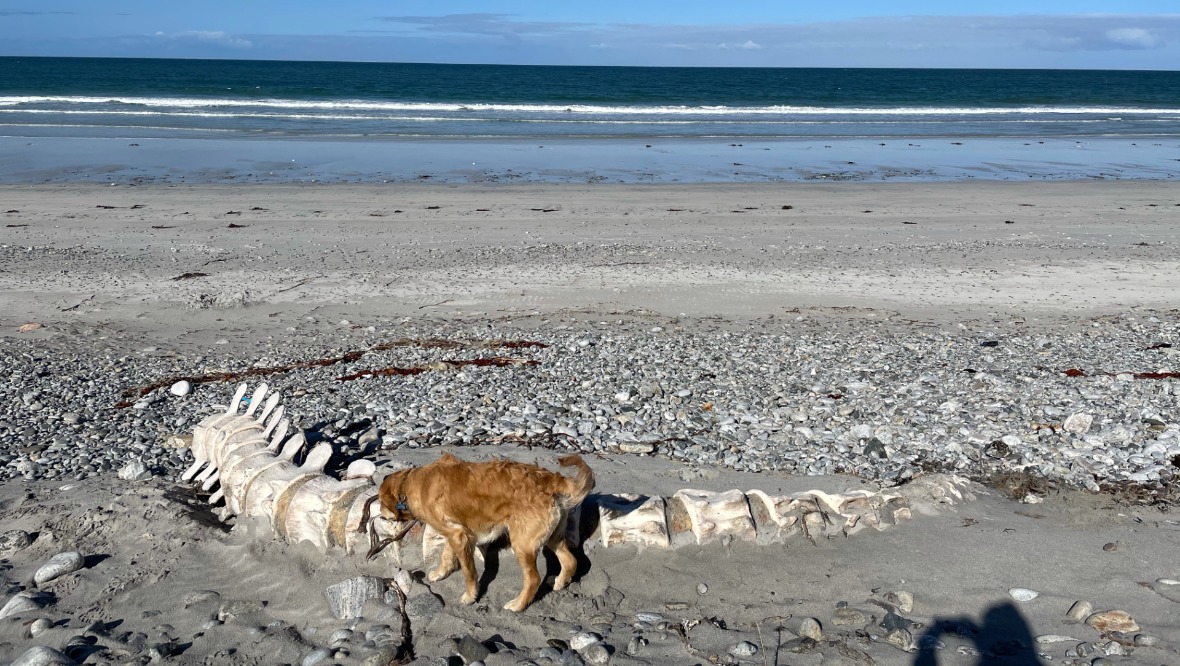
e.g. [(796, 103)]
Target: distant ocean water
[(92, 97)]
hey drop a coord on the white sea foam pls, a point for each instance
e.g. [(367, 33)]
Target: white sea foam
[(580, 109)]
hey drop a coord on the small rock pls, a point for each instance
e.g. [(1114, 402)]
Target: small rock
[(850, 617), (40, 655), (58, 566), (134, 471), (649, 617), (1113, 620), (178, 441), (423, 606), (900, 638), (636, 644), (637, 447), (1110, 547), (470, 649), (904, 601), (1143, 640), (39, 626), (597, 654), (810, 628), (744, 649), (181, 388), (1047, 639), (237, 608), (583, 639), (12, 541), (1078, 423), (26, 328), (799, 645), (895, 621), (702, 589), (347, 598), (1023, 594), (1080, 610), (316, 656)]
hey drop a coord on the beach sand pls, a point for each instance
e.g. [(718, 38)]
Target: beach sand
[(111, 270)]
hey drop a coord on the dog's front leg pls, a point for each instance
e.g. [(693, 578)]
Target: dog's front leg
[(447, 563), (462, 546)]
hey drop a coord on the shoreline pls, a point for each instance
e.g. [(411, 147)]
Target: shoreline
[(135, 159)]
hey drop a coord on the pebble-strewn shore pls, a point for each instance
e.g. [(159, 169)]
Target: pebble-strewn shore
[(1069, 403)]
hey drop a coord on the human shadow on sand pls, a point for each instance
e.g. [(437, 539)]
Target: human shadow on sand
[(1003, 638)]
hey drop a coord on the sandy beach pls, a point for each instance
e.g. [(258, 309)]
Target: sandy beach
[(935, 319)]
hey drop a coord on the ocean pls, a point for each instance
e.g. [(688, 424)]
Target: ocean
[(337, 99), (589, 110)]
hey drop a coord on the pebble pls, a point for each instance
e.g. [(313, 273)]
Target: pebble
[(39, 626), (743, 649), (316, 656), (702, 589), (583, 639), (423, 606), (850, 617), (1023, 594), (41, 655), (181, 388), (347, 598), (597, 653), (904, 601), (756, 419), (1080, 610), (1113, 620), (810, 628), (59, 565), (649, 617), (134, 470)]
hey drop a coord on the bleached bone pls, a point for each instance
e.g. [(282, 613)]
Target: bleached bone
[(632, 519), (251, 458), (713, 515)]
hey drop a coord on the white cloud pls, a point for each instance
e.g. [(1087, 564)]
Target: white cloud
[(1132, 38), (208, 37)]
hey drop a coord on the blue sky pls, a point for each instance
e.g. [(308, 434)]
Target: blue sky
[(1126, 34)]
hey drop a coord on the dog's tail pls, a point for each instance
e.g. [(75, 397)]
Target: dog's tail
[(577, 488)]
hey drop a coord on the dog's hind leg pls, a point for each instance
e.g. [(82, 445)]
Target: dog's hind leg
[(561, 548), (526, 554)]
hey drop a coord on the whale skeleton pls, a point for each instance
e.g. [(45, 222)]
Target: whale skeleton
[(250, 457)]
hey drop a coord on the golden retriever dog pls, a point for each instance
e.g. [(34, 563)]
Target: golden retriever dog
[(471, 504)]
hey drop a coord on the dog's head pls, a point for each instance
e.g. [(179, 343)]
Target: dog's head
[(392, 496)]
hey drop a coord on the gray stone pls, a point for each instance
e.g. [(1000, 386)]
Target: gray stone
[(597, 653), (317, 656), (40, 655), (23, 603), (423, 606), (58, 566), (237, 608), (470, 649), (743, 649), (134, 471), (347, 598)]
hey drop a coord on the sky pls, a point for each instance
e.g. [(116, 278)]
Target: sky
[(1067, 34)]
